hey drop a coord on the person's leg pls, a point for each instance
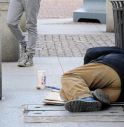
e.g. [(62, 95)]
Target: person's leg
[(31, 11), (74, 86), (15, 12), (112, 84), (75, 90), (95, 76)]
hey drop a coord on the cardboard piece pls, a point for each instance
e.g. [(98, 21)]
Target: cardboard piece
[(53, 98)]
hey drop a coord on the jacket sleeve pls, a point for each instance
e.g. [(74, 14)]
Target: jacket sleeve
[(94, 53)]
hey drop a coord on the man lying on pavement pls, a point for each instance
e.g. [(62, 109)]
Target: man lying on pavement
[(97, 83)]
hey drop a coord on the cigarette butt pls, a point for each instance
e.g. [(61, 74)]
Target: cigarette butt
[(39, 87)]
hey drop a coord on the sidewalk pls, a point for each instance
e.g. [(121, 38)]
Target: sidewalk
[(60, 47), (19, 88), (64, 38)]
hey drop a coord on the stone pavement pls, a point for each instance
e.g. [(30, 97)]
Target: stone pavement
[(65, 38), (71, 45)]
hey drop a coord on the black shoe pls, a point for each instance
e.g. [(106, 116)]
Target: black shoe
[(83, 105), (101, 96)]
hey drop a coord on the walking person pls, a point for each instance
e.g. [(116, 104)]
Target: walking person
[(15, 11), (97, 83)]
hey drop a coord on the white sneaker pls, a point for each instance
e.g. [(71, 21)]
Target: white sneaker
[(23, 60), (22, 52), (30, 60)]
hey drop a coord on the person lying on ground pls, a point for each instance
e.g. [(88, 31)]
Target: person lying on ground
[(97, 83)]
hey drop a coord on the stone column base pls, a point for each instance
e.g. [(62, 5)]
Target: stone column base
[(9, 46)]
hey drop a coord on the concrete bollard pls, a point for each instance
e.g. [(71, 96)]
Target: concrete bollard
[(10, 46), (109, 17), (91, 9)]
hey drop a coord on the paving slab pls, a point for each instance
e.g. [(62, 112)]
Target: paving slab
[(49, 114), (64, 38), (71, 45)]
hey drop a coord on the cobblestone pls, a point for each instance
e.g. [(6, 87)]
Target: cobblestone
[(68, 45)]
